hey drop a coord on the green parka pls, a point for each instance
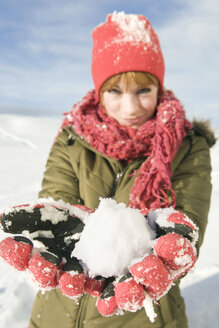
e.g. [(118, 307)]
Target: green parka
[(78, 174)]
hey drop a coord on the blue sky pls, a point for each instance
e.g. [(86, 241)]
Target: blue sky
[(45, 50)]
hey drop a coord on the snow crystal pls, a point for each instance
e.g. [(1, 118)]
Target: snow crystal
[(113, 236), (180, 242), (49, 209), (132, 27), (38, 247), (148, 306), (183, 260), (160, 216), (38, 233), (34, 283), (69, 239), (49, 213)]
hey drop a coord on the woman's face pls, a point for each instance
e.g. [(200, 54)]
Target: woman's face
[(130, 104)]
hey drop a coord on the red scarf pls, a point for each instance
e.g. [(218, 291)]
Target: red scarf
[(158, 139)]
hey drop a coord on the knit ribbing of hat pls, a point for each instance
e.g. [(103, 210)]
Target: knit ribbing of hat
[(158, 140)]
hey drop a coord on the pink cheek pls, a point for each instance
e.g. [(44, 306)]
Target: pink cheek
[(109, 104), (145, 102), (111, 107)]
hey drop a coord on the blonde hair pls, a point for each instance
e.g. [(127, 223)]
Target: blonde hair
[(142, 79)]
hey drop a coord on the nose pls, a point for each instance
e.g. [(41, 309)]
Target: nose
[(129, 105)]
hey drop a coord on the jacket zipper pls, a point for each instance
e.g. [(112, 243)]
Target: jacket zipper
[(121, 173), (79, 322)]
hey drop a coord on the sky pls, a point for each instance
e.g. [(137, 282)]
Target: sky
[(45, 52)]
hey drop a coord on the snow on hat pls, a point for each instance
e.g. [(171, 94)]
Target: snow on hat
[(125, 42)]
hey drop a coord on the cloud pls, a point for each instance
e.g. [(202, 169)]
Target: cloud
[(190, 45), (48, 66), (55, 89)]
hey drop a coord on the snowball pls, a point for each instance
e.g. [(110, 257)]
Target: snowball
[(113, 236)]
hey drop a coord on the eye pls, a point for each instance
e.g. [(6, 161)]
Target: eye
[(114, 91), (143, 90)]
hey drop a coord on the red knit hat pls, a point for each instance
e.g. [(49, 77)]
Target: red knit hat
[(125, 43)]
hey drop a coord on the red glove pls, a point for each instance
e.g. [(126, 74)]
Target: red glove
[(175, 252), (106, 303), (16, 251), (43, 268), (176, 245), (54, 228), (94, 286), (152, 273), (129, 294), (71, 280), (123, 294)]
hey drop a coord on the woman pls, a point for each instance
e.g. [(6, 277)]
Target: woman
[(127, 139)]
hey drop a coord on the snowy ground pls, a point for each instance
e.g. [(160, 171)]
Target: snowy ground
[(24, 147)]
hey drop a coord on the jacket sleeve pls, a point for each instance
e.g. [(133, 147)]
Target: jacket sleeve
[(191, 182), (60, 180)]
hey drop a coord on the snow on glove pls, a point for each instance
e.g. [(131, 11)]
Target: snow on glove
[(52, 229), (177, 236)]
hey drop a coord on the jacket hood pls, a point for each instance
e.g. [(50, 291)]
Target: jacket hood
[(203, 128)]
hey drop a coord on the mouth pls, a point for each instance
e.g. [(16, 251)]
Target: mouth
[(130, 121)]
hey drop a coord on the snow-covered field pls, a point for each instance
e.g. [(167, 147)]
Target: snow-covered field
[(24, 146)]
